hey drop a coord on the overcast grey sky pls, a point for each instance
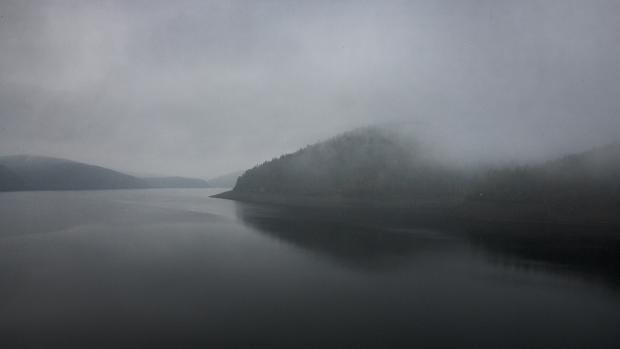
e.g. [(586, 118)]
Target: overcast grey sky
[(205, 87)]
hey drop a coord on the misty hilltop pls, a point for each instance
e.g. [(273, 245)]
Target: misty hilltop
[(28, 172), (369, 162), (588, 179), (381, 165)]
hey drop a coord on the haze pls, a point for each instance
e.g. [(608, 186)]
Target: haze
[(201, 88)]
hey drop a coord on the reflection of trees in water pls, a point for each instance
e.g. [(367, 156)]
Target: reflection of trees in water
[(591, 256), (362, 241), (348, 238)]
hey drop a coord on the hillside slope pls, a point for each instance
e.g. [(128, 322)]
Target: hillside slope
[(578, 189), (380, 167), (25, 172), (9, 180), (588, 178), (369, 163)]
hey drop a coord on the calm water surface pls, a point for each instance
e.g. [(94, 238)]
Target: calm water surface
[(176, 268)]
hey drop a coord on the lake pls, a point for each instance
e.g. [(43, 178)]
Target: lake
[(176, 268)]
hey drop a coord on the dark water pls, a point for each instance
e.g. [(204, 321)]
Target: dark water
[(175, 268)]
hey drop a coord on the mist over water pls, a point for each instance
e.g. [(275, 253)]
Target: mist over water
[(406, 173), (174, 267)]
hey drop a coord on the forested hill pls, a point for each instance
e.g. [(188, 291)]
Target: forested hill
[(372, 162), (381, 166), (584, 180), (26, 172), (601, 163), (9, 180)]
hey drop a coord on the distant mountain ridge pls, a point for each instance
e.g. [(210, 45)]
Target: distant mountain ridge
[(30, 172), (228, 180), (176, 182), (46, 173)]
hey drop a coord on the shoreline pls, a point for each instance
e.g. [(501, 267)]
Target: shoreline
[(485, 214)]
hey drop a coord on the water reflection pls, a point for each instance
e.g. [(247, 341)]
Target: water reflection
[(381, 243), (350, 240), (592, 257), (178, 269)]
